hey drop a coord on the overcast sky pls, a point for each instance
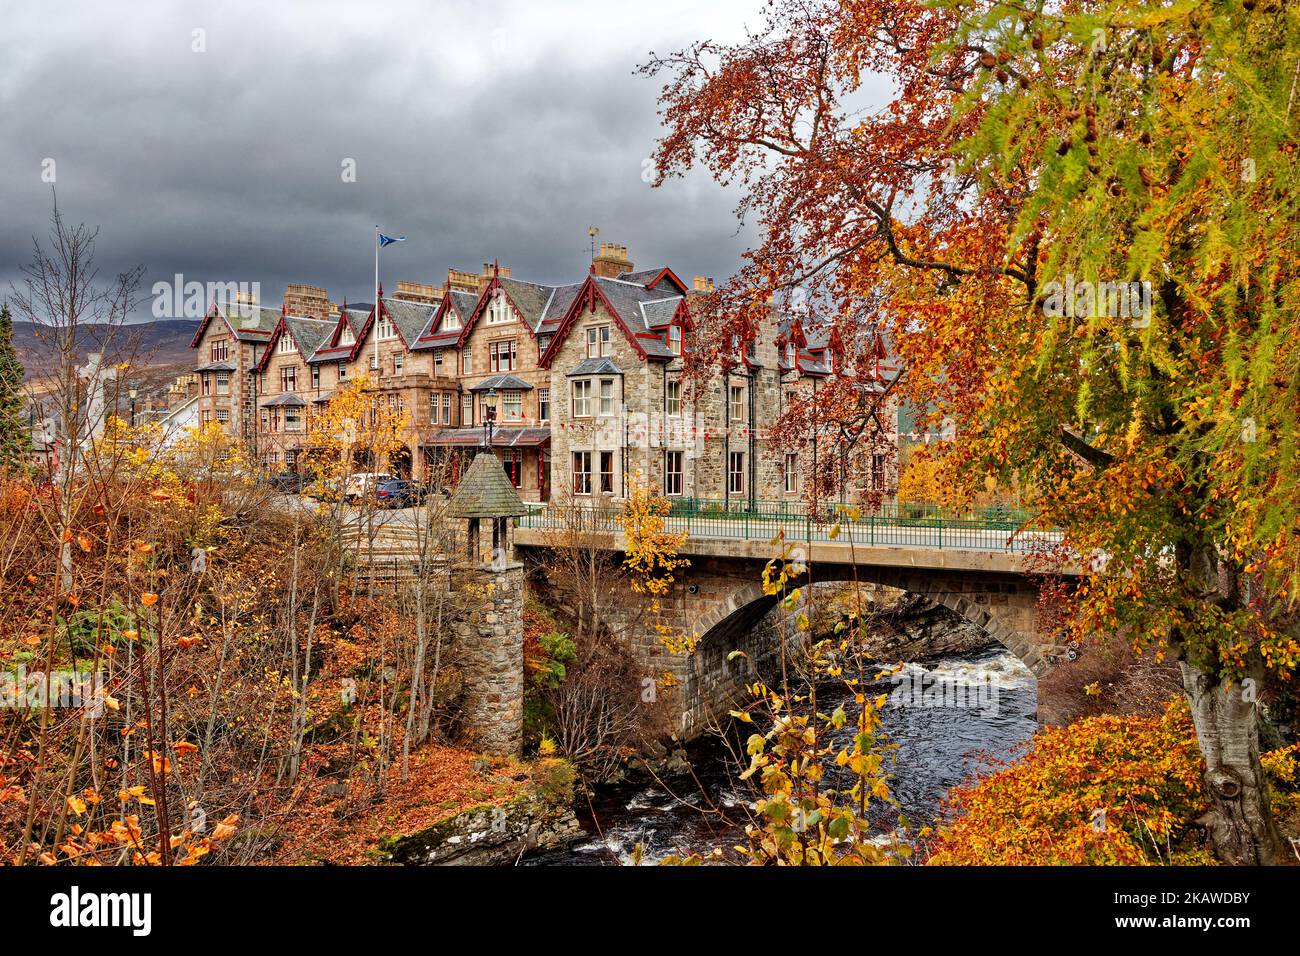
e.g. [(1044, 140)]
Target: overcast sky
[(479, 130)]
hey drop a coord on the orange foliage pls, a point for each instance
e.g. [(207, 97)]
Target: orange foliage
[(1104, 790)]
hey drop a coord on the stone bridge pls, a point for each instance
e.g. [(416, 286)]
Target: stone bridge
[(986, 572)]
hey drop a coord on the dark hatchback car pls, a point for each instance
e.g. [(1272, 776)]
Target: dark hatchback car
[(288, 481), (399, 493)]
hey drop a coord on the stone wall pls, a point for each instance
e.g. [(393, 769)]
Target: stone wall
[(721, 602), (490, 636)]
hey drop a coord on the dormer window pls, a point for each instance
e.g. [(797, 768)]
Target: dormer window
[(346, 337), (285, 345), (450, 321), (499, 310), (386, 329), (675, 339), (791, 353)]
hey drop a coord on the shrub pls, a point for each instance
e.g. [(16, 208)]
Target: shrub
[(553, 781), (1103, 790)]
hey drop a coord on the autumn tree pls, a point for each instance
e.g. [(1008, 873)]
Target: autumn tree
[(1076, 225), (355, 430)]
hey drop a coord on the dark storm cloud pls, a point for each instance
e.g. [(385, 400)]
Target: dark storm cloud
[(478, 131)]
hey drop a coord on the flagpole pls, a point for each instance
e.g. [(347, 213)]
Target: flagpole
[(374, 331)]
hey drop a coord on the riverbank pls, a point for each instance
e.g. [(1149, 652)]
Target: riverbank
[(702, 806)]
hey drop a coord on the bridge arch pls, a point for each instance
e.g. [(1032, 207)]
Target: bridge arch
[(723, 607)]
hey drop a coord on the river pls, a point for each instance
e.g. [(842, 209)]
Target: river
[(938, 745)]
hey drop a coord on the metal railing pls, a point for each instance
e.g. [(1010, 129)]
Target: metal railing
[(895, 524)]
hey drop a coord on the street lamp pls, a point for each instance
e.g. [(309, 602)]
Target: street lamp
[(488, 403), (133, 393)]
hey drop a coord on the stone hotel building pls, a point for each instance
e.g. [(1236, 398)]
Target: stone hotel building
[(576, 388)]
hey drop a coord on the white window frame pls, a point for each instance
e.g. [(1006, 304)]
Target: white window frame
[(606, 401), (673, 398), (598, 341), (735, 475), (736, 403), (495, 355), (544, 404), (673, 470), (498, 310), (512, 398), (581, 398), (790, 475)]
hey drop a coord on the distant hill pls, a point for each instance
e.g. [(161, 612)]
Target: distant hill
[(159, 346)]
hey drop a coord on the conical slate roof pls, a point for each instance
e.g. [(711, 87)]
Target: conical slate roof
[(485, 492)]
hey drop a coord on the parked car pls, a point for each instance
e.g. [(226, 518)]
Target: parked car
[(399, 493), (362, 483), (288, 481)]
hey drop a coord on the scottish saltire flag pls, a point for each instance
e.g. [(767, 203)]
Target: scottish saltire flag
[(387, 240)]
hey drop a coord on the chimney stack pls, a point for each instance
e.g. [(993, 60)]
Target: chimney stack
[(416, 292), (612, 261), (306, 300)]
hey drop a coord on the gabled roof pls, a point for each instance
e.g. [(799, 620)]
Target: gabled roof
[(642, 313), (247, 323), (351, 317), (539, 307), (433, 336), (307, 335), (650, 278), (409, 319)]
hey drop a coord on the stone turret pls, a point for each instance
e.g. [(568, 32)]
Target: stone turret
[(491, 632)]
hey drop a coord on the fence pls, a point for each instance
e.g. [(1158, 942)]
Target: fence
[(894, 524)]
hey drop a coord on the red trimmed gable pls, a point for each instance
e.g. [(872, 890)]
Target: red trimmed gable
[(280, 328), (479, 306), (586, 300), (666, 273), (448, 302)]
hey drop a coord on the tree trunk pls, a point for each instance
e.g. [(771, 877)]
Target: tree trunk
[(1239, 820)]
